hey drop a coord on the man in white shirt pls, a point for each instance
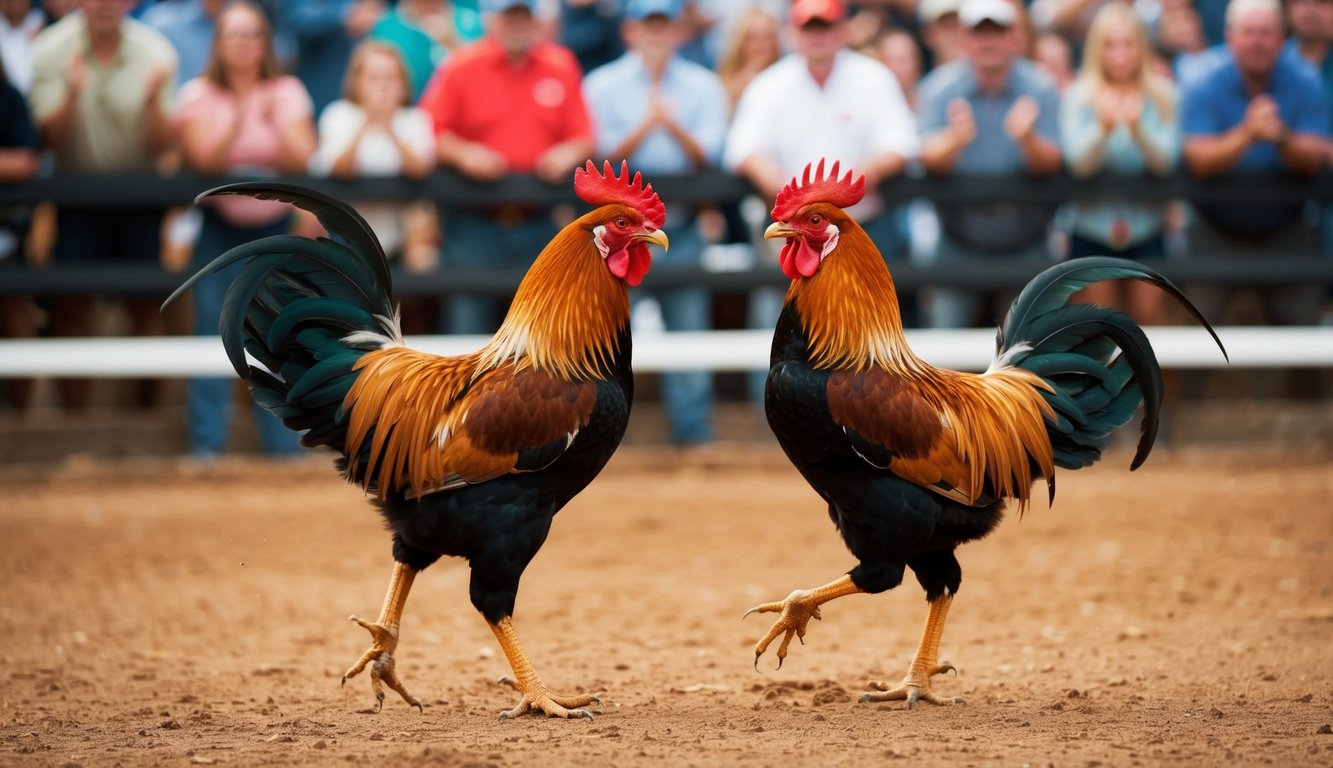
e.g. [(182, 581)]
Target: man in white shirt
[(825, 101)]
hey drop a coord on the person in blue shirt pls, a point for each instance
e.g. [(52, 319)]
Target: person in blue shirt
[(1255, 110), (325, 33), (665, 115), (188, 24), (991, 112)]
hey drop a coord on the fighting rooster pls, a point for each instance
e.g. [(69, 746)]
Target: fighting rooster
[(467, 456), (914, 460)]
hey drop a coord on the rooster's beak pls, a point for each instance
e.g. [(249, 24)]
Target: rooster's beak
[(779, 229), (655, 236)]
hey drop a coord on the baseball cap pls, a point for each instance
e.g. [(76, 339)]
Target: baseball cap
[(500, 6), (974, 12), (930, 11), (805, 11), (639, 10)]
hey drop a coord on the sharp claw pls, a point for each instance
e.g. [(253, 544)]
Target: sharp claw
[(780, 660), (585, 713), (343, 684), (420, 708), (756, 661), (865, 697), (597, 701), (746, 615)]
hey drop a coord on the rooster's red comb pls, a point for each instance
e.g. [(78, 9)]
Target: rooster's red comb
[(606, 187), (840, 192)]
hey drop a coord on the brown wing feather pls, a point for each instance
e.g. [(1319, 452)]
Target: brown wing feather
[(952, 433), (438, 424)]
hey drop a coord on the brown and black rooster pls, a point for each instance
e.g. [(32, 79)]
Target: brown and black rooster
[(466, 456), (914, 460)]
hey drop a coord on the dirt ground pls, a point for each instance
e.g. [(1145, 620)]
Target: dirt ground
[(157, 614)]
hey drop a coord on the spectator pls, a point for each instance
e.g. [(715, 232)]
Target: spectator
[(188, 24), (19, 24), (1255, 110), (1118, 116), (941, 33), (423, 31), (508, 103), (825, 101), (900, 53), (591, 30), (1055, 56), (1311, 24), (325, 32), (372, 131), (100, 85), (666, 115), (990, 113), (18, 163), (242, 116), (1178, 31), (56, 10), (1069, 19), (755, 45)]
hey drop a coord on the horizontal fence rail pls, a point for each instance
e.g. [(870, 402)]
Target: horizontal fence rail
[(123, 189), (969, 349)]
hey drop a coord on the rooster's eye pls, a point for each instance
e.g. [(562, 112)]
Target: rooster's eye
[(815, 218), (622, 222)]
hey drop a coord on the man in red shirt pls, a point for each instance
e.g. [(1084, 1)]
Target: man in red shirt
[(511, 102)]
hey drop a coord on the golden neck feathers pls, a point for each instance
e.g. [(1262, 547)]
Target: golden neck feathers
[(850, 308), (567, 315)]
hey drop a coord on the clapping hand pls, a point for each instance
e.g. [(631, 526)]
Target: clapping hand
[(962, 123), (1022, 118)]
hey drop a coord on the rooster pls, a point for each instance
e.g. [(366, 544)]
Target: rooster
[(467, 456), (914, 460)]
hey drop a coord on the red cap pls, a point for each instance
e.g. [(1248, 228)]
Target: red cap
[(805, 11)]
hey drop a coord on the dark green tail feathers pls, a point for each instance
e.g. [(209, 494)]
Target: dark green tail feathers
[(292, 305), (1097, 360)]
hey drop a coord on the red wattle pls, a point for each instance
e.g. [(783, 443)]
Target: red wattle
[(618, 263), (788, 259), (640, 259), (807, 260)]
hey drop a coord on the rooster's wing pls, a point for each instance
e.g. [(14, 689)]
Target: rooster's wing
[(970, 438), (421, 423)]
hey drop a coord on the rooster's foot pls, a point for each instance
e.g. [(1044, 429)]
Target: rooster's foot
[(384, 640), (537, 699), (797, 611), (913, 688)]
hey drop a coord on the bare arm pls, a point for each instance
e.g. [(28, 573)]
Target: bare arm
[(1210, 155), (1040, 156), (940, 151), (763, 174), (204, 155), (296, 143), (17, 164), (474, 160), (1303, 153)]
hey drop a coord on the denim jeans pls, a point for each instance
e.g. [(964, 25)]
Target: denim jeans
[(209, 400), (473, 240), (688, 395)]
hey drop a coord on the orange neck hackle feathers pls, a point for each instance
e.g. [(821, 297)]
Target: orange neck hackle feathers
[(607, 188), (849, 306), (840, 192)]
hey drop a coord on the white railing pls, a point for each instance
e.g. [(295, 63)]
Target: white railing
[(971, 349)]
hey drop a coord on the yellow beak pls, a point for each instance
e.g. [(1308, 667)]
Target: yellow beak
[(656, 236), (779, 229)]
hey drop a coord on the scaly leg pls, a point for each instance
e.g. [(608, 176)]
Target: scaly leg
[(384, 640), (916, 686), (536, 696), (797, 610)]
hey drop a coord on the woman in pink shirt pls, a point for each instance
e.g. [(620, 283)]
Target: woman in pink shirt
[(242, 117)]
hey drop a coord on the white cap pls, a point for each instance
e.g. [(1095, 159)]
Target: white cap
[(999, 12), (931, 11)]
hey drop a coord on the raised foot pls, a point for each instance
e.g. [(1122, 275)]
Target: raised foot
[(797, 611), (913, 688), (384, 641), (538, 700)]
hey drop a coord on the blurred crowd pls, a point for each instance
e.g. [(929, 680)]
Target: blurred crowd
[(355, 88)]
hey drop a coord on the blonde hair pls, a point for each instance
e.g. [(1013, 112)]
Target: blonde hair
[(357, 62), (1093, 78), (729, 63), (269, 68)]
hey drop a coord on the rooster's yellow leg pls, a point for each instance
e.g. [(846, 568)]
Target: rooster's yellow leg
[(384, 640), (916, 686), (537, 698), (797, 610)]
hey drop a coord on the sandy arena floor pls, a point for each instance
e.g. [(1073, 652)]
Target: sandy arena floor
[(154, 615)]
